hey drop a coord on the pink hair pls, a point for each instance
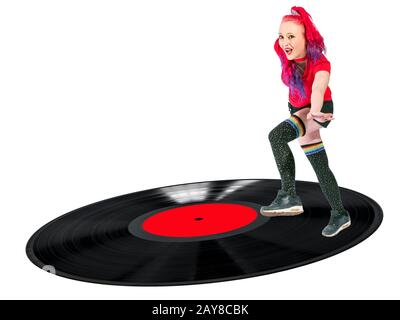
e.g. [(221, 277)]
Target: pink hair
[(314, 44)]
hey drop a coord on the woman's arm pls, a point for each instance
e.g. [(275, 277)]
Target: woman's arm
[(320, 84)]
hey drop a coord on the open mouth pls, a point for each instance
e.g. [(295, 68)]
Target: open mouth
[(288, 51)]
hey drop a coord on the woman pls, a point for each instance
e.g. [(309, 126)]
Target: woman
[(305, 70)]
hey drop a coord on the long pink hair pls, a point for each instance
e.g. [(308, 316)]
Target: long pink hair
[(314, 44)]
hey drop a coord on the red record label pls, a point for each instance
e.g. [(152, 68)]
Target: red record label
[(199, 220)]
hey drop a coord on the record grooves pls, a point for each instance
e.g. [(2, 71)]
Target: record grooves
[(195, 233)]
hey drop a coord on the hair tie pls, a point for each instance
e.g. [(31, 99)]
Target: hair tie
[(294, 12)]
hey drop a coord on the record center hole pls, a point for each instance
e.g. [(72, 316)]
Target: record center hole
[(198, 219)]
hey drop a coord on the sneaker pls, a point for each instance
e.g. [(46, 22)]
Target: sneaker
[(338, 222), (284, 204)]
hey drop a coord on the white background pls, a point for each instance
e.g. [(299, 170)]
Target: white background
[(103, 98)]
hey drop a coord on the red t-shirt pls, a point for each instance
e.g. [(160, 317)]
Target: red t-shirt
[(308, 79)]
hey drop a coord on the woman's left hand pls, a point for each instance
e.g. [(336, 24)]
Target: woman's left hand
[(320, 116)]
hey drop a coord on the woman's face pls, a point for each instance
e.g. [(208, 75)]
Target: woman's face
[(292, 40)]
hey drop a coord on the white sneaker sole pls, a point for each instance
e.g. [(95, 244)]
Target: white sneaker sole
[(342, 227), (288, 212)]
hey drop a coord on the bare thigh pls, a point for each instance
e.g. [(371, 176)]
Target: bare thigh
[(312, 128)]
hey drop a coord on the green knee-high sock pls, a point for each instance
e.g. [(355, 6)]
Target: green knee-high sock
[(318, 158), (279, 137)]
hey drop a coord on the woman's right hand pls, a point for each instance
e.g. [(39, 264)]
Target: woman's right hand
[(320, 116)]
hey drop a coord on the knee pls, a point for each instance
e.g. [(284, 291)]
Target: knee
[(271, 135), (287, 130), (274, 135)]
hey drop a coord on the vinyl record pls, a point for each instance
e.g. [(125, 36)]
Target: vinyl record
[(195, 233)]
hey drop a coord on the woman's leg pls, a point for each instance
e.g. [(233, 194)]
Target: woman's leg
[(279, 138), (286, 203), (314, 149)]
